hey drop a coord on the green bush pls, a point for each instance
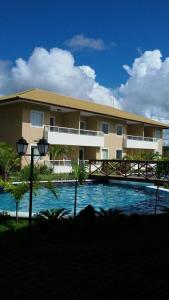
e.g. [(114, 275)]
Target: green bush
[(44, 169)]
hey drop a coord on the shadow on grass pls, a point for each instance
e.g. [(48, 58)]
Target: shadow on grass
[(109, 257)]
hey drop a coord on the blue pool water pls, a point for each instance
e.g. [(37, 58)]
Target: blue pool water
[(130, 197)]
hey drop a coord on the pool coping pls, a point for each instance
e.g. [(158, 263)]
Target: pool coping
[(160, 189), (55, 181)]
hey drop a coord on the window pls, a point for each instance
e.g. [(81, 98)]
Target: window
[(37, 118), (105, 128), (104, 153), (119, 130), (119, 154)]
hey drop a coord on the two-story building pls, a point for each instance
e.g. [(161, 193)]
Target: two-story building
[(94, 131)]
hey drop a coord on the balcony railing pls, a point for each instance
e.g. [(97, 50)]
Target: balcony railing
[(141, 138), (73, 130), (140, 142), (56, 135), (65, 166)]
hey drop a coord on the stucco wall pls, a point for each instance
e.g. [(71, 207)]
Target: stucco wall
[(135, 129), (15, 122), (112, 141), (33, 134), (91, 153), (148, 131), (71, 119), (10, 123)]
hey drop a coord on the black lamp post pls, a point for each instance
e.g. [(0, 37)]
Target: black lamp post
[(22, 146)]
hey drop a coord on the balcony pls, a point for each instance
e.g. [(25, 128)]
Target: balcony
[(74, 137), (140, 142)]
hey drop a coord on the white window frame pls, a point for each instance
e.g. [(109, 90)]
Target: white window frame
[(37, 111), (106, 123), (119, 149), (119, 125), (107, 152)]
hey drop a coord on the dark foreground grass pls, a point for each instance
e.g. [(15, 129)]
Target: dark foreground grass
[(118, 258)]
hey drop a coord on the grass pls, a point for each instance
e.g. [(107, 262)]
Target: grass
[(113, 258), (10, 224)]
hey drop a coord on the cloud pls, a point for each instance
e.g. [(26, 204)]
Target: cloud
[(80, 42), (147, 89), (53, 70)]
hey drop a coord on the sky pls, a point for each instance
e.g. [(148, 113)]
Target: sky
[(111, 52)]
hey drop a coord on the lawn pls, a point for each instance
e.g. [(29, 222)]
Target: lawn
[(118, 258)]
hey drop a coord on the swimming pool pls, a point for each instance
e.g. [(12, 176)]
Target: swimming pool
[(130, 197)]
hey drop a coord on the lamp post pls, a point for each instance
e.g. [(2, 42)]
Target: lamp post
[(22, 146)]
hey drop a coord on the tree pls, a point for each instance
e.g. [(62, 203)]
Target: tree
[(59, 150), (80, 174), (52, 215), (17, 192), (8, 160)]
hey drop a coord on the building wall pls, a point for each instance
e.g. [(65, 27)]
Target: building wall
[(71, 119), (91, 153), (57, 116), (91, 123), (160, 147), (33, 134), (148, 131), (112, 141), (10, 123), (15, 122), (135, 129)]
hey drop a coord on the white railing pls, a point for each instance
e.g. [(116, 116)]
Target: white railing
[(72, 130), (141, 138), (60, 162), (60, 166), (65, 166)]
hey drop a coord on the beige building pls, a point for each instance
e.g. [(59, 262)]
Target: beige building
[(92, 130)]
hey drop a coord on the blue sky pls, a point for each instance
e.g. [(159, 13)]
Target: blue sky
[(126, 29), (130, 24)]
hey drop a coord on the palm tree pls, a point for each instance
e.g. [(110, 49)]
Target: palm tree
[(80, 174), (110, 212), (59, 150), (8, 160), (52, 215), (17, 192)]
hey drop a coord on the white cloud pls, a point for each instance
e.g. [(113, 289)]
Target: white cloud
[(147, 89), (145, 92), (79, 42), (53, 70)]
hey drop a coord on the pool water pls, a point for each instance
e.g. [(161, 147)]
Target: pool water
[(130, 197)]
